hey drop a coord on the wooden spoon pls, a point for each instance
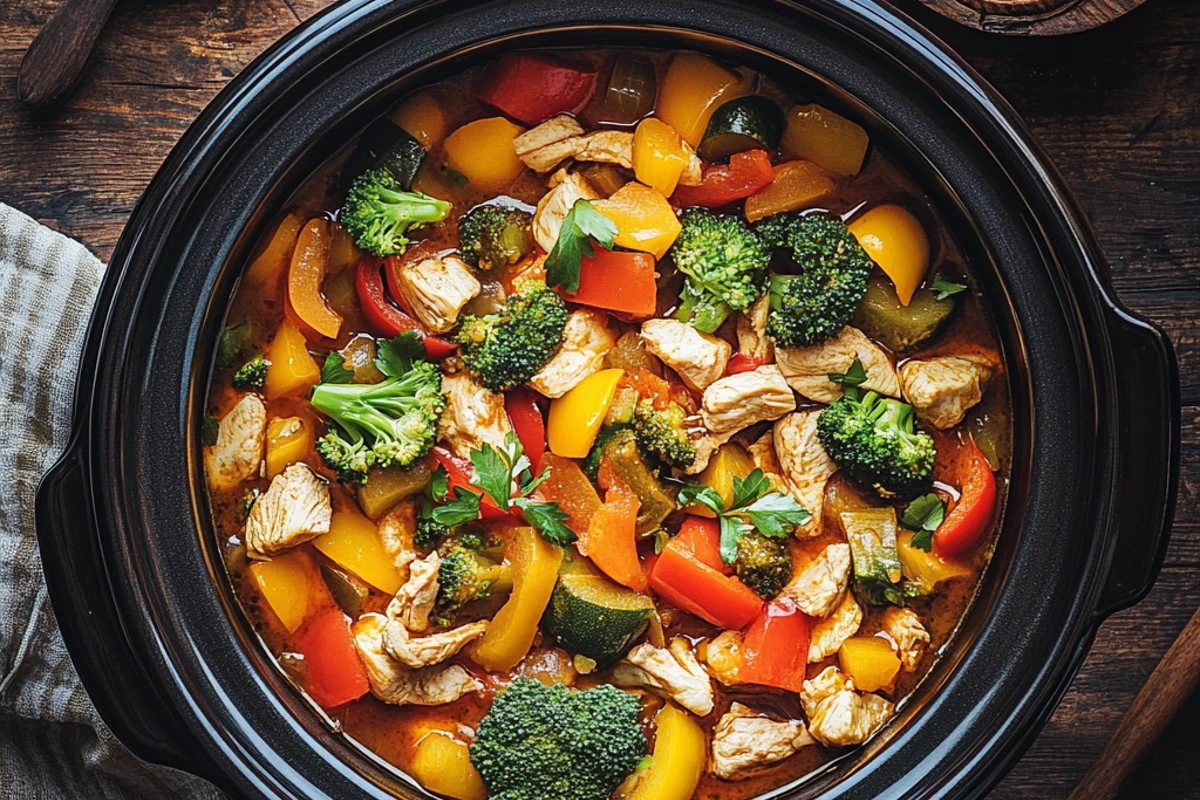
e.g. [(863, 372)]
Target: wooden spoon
[(55, 59), (1169, 687)]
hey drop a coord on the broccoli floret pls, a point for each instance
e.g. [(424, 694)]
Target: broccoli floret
[(252, 374), (377, 212), (430, 534), (815, 305), (539, 742), (874, 441), (465, 575), (763, 564), (662, 433), (495, 236), (506, 349), (390, 423), (725, 264)]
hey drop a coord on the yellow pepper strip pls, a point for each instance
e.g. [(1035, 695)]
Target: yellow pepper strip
[(896, 240), (658, 155), (284, 584), (694, 87), (826, 138), (288, 441), (535, 565), (292, 368), (575, 418), (267, 268), (422, 117), (353, 544), (869, 661), (926, 569), (483, 151), (442, 763), (679, 757), (645, 220)]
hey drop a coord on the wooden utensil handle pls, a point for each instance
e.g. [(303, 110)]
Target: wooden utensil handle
[(55, 59), (1169, 687)]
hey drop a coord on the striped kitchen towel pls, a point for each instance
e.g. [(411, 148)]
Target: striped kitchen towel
[(52, 743)]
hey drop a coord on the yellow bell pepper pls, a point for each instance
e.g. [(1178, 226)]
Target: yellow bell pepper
[(645, 220), (797, 185), (896, 241), (576, 417), (730, 461), (679, 757), (693, 88), (869, 661), (825, 138), (284, 583), (925, 570), (292, 368), (288, 441), (658, 155), (442, 764), (535, 565), (353, 544), (483, 151), (267, 268), (423, 118)]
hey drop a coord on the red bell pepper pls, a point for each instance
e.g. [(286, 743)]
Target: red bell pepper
[(458, 473), (617, 281), (775, 647), (531, 87), (741, 362), (700, 538), (333, 675), (384, 318), (699, 589), (746, 174), (971, 518), (526, 417)]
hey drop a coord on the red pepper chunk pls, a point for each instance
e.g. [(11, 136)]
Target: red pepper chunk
[(530, 87), (971, 518), (436, 348), (742, 363), (775, 647), (526, 417), (333, 675), (383, 317), (700, 538), (746, 174), (617, 281), (699, 589)]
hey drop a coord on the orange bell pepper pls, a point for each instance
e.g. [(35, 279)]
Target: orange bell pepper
[(333, 675), (617, 281), (700, 538), (869, 661), (612, 537), (267, 268), (797, 185), (292, 368), (305, 276), (687, 584), (775, 648), (645, 220), (658, 155), (571, 489)]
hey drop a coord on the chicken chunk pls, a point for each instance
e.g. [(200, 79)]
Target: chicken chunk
[(674, 672), (547, 145), (738, 401), (723, 655), (586, 341), (294, 509), (819, 586), (413, 604), (693, 173), (473, 415), (436, 289), (396, 530), (805, 464), (394, 683), (744, 741), (839, 716), (698, 357), (762, 453), (826, 636), (241, 437), (807, 369), (554, 206), (908, 633), (417, 652), (941, 390), (752, 332)]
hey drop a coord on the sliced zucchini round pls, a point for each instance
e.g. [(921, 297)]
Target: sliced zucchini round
[(744, 123), (591, 616)]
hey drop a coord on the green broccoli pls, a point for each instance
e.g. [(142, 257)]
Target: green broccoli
[(506, 349), (725, 264), (873, 439), (816, 304), (377, 212), (663, 433), (430, 534), (763, 564), (493, 236), (539, 742), (252, 374), (465, 575)]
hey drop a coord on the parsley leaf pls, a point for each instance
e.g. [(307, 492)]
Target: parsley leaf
[(922, 540), (855, 375), (492, 473), (439, 484), (755, 506), (395, 357), (775, 515), (945, 288), (582, 225), (334, 370), (754, 486), (924, 515), (548, 519), (462, 509), (693, 493)]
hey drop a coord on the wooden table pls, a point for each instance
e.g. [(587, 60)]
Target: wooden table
[(1118, 109)]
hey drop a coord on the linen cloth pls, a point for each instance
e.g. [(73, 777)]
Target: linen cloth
[(52, 743)]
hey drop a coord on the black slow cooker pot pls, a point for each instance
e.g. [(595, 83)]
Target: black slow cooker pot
[(130, 556)]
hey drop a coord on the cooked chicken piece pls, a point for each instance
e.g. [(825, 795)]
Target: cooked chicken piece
[(416, 652), (818, 586), (394, 683), (396, 531), (826, 636), (554, 206), (693, 173), (294, 509), (706, 447), (473, 415), (723, 655), (738, 401), (942, 389), (413, 604), (838, 715), (698, 357), (752, 332), (544, 147), (608, 147), (805, 464), (436, 289), (586, 341), (241, 437), (674, 671), (908, 633), (807, 369), (743, 741), (762, 452)]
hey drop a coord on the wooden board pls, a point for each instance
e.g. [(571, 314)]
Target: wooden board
[(1033, 17), (1118, 109)]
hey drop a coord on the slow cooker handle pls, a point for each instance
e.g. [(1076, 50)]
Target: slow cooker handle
[(1146, 475)]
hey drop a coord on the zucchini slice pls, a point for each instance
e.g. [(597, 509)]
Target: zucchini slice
[(385, 144), (591, 616), (744, 123), (897, 327)]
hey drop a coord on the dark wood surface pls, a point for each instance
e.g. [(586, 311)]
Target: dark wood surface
[(1033, 17), (1117, 108)]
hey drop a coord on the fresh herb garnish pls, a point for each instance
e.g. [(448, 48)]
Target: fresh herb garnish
[(395, 357), (755, 505), (924, 515), (234, 343), (462, 509), (855, 375), (334, 370), (583, 225), (439, 484), (944, 288)]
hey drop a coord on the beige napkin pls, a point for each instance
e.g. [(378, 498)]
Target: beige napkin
[(52, 743)]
